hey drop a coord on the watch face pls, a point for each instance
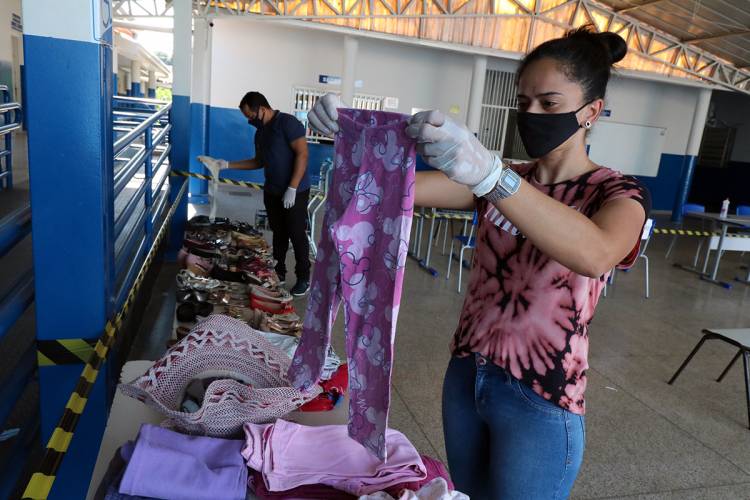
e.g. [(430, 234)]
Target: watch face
[(510, 181)]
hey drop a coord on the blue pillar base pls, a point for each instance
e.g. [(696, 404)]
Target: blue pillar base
[(683, 190), (199, 199)]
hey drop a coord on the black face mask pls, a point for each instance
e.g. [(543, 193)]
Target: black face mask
[(543, 132), (256, 122)]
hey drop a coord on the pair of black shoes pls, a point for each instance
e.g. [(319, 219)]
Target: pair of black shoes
[(300, 288)]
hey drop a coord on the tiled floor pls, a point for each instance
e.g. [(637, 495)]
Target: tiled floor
[(645, 439)]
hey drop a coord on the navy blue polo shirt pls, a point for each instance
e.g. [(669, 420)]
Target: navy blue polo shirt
[(275, 155)]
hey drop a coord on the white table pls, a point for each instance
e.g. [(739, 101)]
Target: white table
[(127, 415), (724, 223)]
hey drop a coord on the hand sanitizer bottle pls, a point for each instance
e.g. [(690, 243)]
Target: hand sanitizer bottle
[(724, 209)]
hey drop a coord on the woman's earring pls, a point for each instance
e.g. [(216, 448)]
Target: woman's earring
[(587, 124)]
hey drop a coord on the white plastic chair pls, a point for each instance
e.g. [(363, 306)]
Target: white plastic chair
[(648, 230), (467, 242)]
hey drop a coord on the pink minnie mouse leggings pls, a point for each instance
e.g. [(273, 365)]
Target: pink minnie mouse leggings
[(361, 258)]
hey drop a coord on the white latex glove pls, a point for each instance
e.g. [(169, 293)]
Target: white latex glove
[(450, 147), (213, 165), (290, 197), (323, 117)]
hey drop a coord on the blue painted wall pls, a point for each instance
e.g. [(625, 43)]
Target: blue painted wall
[(664, 186)]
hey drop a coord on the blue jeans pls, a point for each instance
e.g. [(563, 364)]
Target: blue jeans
[(504, 441)]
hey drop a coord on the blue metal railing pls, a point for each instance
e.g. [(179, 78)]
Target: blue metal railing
[(10, 113), (141, 153), (14, 301)]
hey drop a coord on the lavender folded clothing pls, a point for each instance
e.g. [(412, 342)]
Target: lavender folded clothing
[(291, 455), (166, 464)]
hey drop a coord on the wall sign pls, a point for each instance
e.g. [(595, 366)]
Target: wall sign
[(607, 112), (336, 80)]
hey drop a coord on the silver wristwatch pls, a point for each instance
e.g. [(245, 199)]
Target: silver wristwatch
[(507, 185)]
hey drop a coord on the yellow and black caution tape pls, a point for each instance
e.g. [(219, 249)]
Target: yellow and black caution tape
[(704, 234), (251, 185), (64, 351), (445, 216), (41, 482)]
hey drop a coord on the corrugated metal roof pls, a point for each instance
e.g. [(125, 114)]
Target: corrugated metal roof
[(721, 27)]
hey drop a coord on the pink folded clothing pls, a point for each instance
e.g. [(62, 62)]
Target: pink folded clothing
[(282, 453), (306, 492), (435, 470)]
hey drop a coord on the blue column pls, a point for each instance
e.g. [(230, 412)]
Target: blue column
[(702, 103), (135, 78), (180, 135), (683, 188), (199, 107), (72, 205), (151, 84)]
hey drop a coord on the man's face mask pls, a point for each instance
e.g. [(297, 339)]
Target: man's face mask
[(257, 120), (543, 132)]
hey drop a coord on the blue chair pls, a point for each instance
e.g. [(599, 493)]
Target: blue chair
[(686, 208), (467, 242)]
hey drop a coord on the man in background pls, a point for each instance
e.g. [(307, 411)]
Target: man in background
[(281, 151)]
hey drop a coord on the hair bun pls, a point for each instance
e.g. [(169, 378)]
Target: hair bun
[(614, 44)]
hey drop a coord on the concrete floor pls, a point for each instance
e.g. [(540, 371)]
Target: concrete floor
[(645, 439)]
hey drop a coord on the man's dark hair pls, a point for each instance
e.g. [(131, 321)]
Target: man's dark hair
[(254, 100)]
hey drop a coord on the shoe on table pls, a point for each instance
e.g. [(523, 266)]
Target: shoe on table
[(301, 288)]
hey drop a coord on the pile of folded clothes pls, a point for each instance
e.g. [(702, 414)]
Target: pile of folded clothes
[(281, 461)]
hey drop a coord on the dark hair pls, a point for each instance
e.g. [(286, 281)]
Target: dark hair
[(254, 100), (584, 56)]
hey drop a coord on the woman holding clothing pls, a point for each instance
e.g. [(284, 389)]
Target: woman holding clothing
[(549, 232)]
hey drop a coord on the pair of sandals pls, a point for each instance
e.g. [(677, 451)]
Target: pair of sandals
[(284, 324), (188, 280), (242, 240), (277, 301)]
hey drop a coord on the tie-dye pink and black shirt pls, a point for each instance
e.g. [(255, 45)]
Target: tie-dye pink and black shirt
[(528, 313)]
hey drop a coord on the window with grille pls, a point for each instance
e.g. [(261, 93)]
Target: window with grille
[(497, 129), (304, 98)]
